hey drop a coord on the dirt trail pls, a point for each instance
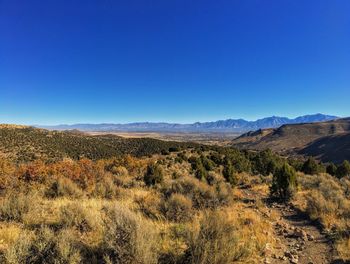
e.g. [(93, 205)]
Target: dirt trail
[(298, 240)]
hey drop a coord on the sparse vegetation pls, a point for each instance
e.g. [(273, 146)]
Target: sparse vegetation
[(181, 207)]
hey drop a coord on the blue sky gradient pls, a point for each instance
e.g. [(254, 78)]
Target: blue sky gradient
[(178, 61)]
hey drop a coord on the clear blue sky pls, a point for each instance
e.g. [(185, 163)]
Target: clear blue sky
[(172, 60)]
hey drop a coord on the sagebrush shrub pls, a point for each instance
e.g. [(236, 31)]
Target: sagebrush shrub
[(44, 247), (78, 216), (201, 194), (213, 242), (177, 208), (127, 238), (63, 187), (13, 206), (149, 205), (105, 188)]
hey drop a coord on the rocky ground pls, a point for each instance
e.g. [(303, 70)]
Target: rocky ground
[(297, 239)]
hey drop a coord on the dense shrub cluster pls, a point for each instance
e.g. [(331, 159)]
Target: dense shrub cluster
[(27, 144)]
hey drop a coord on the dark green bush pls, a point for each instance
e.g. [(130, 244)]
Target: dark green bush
[(207, 163), (229, 172), (153, 175), (343, 169), (311, 167), (264, 162), (331, 169), (284, 182)]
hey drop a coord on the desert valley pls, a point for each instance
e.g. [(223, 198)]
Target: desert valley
[(74, 196), (174, 132)]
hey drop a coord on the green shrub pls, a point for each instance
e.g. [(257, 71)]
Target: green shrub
[(201, 173), (199, 170), (153, 175), (343, 169), (264, 162), (311, 167), (284, 182), (207, 163), (331, 169), (229, 172)]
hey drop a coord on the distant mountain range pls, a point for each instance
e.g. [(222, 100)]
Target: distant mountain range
[(229, 125)]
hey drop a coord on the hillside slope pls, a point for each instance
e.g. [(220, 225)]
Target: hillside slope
[(28, 143), (328, 141), (334, 148)]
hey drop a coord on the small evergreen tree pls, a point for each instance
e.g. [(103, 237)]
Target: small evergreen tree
[(153, 175), (197, 166), (331, 169), (310, 167), (284, 182), (207, 163), (343, 169), (201, 173), (229, 172), (264, 162)]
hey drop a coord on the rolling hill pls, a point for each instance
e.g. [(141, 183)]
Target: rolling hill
[(24, 143), (327, 141)]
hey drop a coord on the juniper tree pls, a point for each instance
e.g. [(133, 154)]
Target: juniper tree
[(284, 182)]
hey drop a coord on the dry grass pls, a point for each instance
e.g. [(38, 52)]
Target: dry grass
[(212, 241), (14, 206), (326, 199), (9, 233), (150, 205), (343, 248), (76, 215), (104, 213)]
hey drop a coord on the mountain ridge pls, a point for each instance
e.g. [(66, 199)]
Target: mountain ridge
[(227, 125), (326, 141)]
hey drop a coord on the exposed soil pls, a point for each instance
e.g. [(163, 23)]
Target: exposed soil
[(298, 239)]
